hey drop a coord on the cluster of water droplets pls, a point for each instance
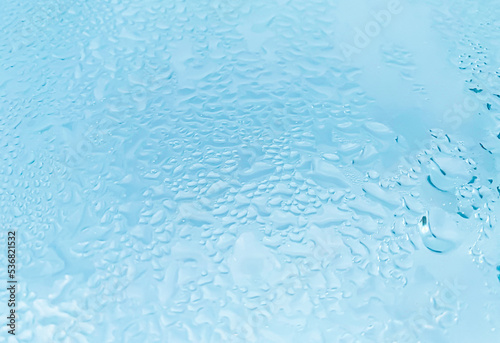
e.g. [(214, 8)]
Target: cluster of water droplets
[(214, 172)]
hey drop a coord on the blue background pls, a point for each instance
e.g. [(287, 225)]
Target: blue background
[(251, 171)]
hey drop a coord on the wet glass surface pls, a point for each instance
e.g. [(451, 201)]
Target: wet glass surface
[(252, 171)]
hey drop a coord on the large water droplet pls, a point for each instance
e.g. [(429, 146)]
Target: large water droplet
[(439, 236)]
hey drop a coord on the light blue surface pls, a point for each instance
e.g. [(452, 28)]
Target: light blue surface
[(252, 171)]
